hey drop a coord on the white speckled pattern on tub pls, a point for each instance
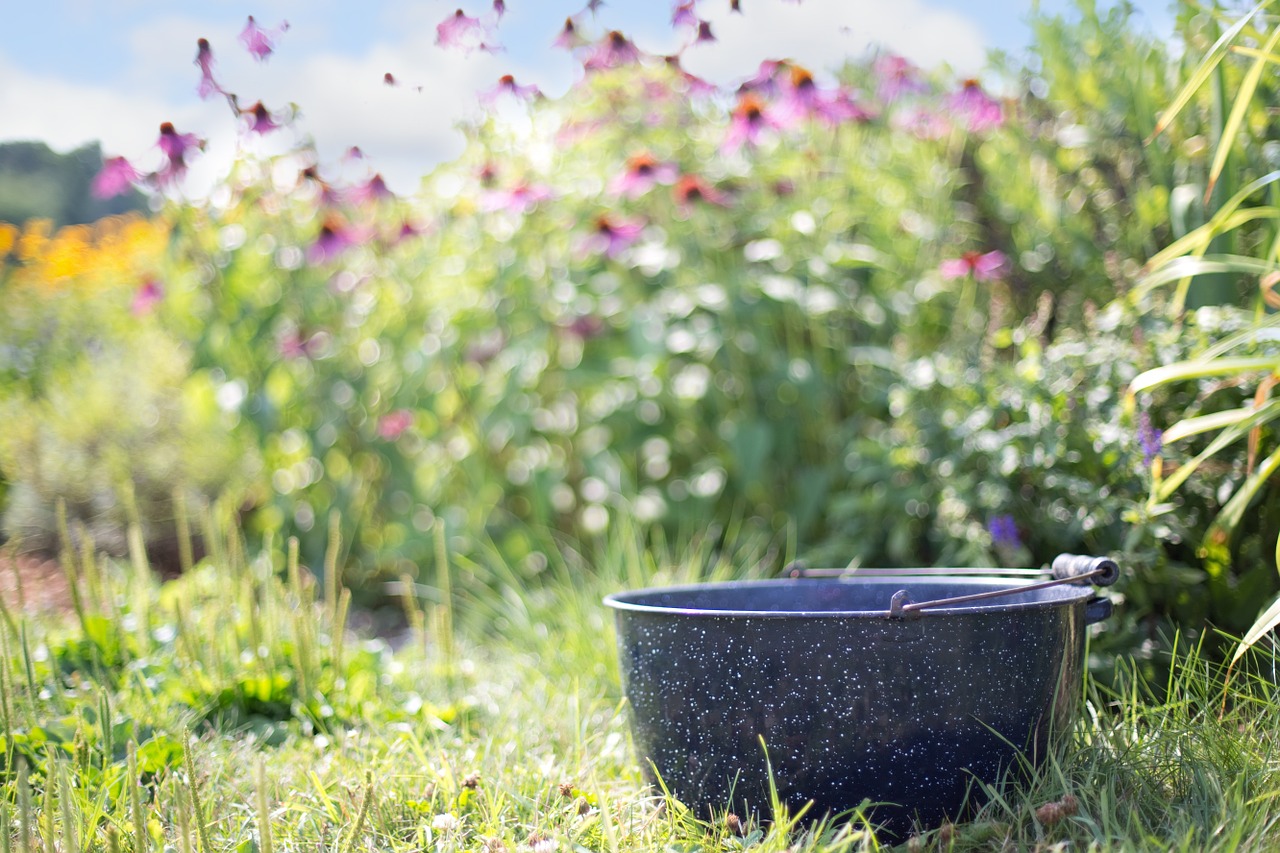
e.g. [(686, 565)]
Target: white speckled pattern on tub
[(852, 705)]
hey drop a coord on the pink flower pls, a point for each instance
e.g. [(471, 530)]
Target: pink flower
[(749, 122), (896, 77), (335, 237), (704, 33), (507, 85), (691, 188), (461, 31), (499, 8), (204, 60), (694, 84), (569, 38), (988, 266), (640, 174), (766, 80), (116, 176), (612, 235), (260, 119), (393, 424), (175, 146), (922, 122), (683, 14), (802, 99), (519, 199), (258, 41), (373, 190), (975, 108), (293, 345), (146, 297), (585, 326), (614, 50)]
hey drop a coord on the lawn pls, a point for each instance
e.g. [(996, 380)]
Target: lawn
[(222, 711), (334, 480)]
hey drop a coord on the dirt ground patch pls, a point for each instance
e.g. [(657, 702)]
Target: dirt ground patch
[(32, 583)]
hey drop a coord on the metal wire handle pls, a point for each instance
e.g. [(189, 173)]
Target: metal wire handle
[(1066, 569)]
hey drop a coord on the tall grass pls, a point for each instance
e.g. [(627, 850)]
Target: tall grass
[(220, 711)]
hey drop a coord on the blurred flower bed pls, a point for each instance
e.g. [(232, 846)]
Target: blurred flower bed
[(886, 317)]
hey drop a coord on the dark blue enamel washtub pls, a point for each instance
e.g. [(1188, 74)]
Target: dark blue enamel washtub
[(853, 690)]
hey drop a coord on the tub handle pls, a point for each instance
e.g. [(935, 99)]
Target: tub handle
[(1079, 569)]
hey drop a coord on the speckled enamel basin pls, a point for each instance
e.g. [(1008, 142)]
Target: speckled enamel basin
[(852, 705)]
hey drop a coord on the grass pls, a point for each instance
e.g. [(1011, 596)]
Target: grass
[(222, 712)]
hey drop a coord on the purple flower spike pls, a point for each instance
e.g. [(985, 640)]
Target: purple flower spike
[(116, 177), (614, 50), (1150, 439), (258, 41), (975, 108), (1004, 531), (204, 61)]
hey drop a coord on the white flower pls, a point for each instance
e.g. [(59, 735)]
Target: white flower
[(444, 823)]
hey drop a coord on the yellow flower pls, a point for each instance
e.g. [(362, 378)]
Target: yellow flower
[(117, 251)]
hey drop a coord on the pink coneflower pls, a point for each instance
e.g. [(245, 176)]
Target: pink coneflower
[(800, 98), (394, 424), (499, 8), (895, 77), (389, 79), (116, 176), (614, 49), (749, 122), (569, 38), (694, 84), (640, 175), (507, 85), (373, 190), (765, 82), (260, 119), (983, 266), (704, 33), (175, 146), (335, 237), (585, 326), (204, 60), (691, 188), (329, 194), (518, 199), (682, 15), (258, 41), (146, 297), (461, 31), (612, 235), (975, 108)]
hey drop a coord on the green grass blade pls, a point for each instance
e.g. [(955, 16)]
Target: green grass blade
[(1190, 266), (1206, 423), (1231, 514), (1265, 623), (1235, 119), (1225, 219), (1202, 73), (1201, 368)]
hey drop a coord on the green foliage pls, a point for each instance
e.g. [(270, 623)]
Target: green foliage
[(38, 183)]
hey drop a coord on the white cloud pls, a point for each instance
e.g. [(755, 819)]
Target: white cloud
[(822, 34)]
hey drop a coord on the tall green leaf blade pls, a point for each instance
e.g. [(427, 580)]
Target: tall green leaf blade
[(1186, 267), (1205, 423), (1238, 108), (1199, 369), (1202, 73), (1234, 510), (1266, 622)]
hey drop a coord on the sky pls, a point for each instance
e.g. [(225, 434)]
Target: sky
[(76, 71)]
